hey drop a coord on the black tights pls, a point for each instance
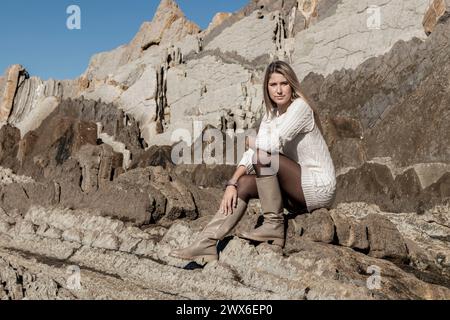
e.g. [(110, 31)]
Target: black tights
[(289, 177)]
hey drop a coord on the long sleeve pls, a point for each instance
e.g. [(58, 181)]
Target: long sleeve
[(246, 161), (274, 134)]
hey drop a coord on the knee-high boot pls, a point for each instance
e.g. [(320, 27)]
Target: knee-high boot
[(272, 230), (204, 247)]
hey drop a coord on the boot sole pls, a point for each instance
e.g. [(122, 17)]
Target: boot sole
[(274, 241), (205, 259), (199, 259)]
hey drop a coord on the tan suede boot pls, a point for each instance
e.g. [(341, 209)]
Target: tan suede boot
[(204, 249), (272, 230)]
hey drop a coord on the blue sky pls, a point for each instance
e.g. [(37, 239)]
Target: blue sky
[(34, 32)]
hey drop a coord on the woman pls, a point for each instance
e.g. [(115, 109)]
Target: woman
[(287, 165)]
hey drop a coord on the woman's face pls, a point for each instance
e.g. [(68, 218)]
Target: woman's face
[(279, 90)]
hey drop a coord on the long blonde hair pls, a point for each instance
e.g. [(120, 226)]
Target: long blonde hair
[(286, 70)]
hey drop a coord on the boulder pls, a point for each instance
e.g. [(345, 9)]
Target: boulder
[(316, 226), (154, 156), (9, 145), (350, 233), (385, 240), (52, 144), (369, 183), (99, 165), (405, 191)]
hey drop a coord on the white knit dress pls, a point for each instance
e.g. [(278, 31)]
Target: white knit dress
[(296, 135)]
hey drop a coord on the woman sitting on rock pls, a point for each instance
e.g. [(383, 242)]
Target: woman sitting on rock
[(287, 165)]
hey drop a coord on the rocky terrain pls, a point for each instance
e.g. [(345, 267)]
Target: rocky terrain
[(91, 202)]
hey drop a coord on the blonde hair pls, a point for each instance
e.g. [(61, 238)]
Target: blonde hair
[(286, 70)]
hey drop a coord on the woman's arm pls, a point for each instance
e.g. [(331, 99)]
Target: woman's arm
[(229, 199), (246, 161), (240, 171)]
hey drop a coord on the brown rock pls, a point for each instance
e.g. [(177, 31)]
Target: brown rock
[(21, 196), (316, 226), (15, 74), (437, 11), (154, 156), (99, 166), (419, 257), (350, 233), (348, 152), (385, 240), (440, 189), (203, 175), (207, 200), (171, 198), (9, 145), (128, 204), (405, 191), (369, 183)]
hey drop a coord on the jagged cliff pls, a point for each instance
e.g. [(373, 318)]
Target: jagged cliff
[(86, 177)]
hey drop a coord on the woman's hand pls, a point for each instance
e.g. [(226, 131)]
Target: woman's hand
[(229, 200)]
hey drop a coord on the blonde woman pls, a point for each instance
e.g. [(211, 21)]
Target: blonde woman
[(288, 165)]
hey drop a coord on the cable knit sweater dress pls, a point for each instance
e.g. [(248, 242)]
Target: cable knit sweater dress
[(296, 135)]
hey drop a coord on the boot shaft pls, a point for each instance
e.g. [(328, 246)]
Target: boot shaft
[(221, 225), (270, 196)]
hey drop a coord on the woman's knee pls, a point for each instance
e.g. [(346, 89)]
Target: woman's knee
[(261, 158), (246, 187), (264, 163)]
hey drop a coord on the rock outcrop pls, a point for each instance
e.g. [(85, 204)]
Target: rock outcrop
[(104, 249), (147, 87), (168, 26), (218, 19), (438, 11), (14, 78)]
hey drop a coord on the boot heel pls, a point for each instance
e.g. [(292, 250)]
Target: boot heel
[(277, 242)]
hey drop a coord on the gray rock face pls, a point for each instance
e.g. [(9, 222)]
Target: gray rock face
[(375, 183), (396, 88), (168, 25), (333, 44), (154, 78)]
